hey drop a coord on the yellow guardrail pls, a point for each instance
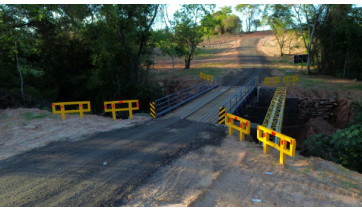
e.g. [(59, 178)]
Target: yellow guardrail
[(63, 111), (243, 128), (289, 79), (113, 108), (263, 135), (271, 80), (276, 80), (202, 75), (209, 78)]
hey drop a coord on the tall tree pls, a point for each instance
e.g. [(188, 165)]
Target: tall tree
[(188, 31), (277, 16), (250, 11), (308, 17), (339, 42)]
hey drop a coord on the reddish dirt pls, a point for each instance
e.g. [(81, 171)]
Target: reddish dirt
[(312, 127)]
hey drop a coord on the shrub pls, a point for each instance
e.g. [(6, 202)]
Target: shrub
[(343, 147)]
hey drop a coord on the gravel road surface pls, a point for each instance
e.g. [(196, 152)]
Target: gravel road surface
[(101, 170)]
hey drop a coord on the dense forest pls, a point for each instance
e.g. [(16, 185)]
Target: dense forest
[(104, 52)]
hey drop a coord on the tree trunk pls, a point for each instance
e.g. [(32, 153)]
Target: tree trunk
[(21, 76), (187, 62), (173, 63), (308, 62), (345, 65)]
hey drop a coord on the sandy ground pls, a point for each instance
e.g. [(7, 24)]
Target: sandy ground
[(19, 134), (237, 172), (269, 46)]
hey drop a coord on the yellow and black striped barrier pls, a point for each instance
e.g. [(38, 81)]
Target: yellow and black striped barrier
[(222, 115), (153, 109)]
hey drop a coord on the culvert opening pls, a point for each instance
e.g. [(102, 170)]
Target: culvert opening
[(303, 116)]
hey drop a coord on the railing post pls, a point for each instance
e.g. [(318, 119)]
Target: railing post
[(62, 110), (113, 111), (130, 110), (81, 110), (265, 146)]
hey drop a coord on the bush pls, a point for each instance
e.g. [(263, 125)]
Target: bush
[(343, 147)]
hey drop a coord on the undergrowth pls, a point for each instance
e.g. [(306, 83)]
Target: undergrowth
[(343, 147)]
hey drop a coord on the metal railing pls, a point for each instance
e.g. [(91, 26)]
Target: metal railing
[(240, 96), (233, 102), (175, 100)]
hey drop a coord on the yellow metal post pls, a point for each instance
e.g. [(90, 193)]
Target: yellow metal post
[(241, 133), (62, 111), (231, 122), (81, 110), (130, 110), (265, 145), (113, 112), (282, 154)]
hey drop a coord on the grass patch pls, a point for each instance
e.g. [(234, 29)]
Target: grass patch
[(206, 53), (30, 116), (355, 87), (4, 116), (195, 72)]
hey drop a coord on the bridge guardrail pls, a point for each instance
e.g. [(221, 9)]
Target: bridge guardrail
[(240, 96), (113, 108), (166, 104), (209, 78), (63, 111), (243, 128), (264, 134), (271, 80), (292, 79), (277, 80), (233, 102)]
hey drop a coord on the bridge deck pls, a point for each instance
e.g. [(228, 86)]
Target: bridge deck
[(205, 108)]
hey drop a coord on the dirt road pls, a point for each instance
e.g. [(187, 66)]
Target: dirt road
[(100, 170)]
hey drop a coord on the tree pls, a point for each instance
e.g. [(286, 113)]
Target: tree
[(256, 23), (339, 42), (165, 40), (188, 32), (249, 10), (280, 22), (70, 52), (308, 17)]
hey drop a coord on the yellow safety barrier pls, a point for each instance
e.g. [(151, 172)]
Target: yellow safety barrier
[(209, 78), (288, 79), (263, 135), (243, 128), (271, 80), (114, 109), (63, 111), (202, 75)]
